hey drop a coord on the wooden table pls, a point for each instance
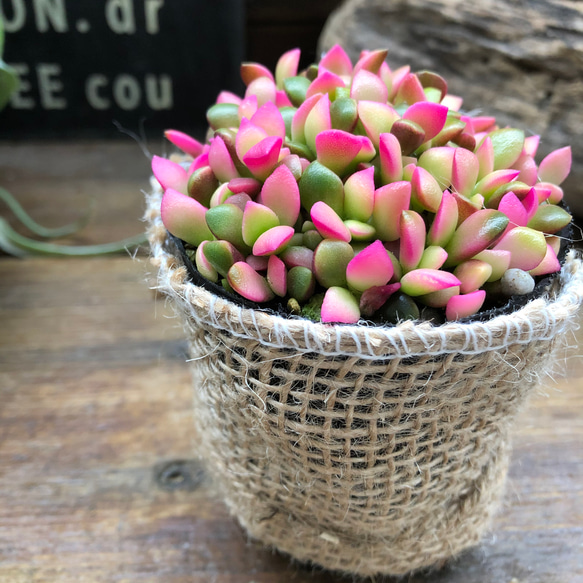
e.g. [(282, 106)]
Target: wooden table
[(97, 477)]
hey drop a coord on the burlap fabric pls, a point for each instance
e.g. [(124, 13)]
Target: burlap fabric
[(365, 449)]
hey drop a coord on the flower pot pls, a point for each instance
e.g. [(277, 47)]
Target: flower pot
[(362, 448)]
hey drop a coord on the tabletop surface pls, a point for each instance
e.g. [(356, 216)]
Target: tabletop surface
[(98, 480)]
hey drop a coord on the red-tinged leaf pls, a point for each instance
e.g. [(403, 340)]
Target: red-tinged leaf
[(287, 66), (371, 61), (185, 142), (445, 221), (248, 283), (258, 263), (439, 163), (389, 203), (485, 155), (370, 268), (228, 97), (462, 306), (513, 208), (424, 281), (199, 161), (375, 297), (390, 158), (433, 257), (281, 194), (412, 240), (531, 145), (296, 256), (464, 172), (257, 219), (337, 149), (550, 192), (499, 261), (555, 167), (277, 275), (430, 116), (248, 136), (376, 118), (359, 195), (184, 217), (425, 190), (318, 121), (269, 118), (368, 86), (169, 174), (252, 71), (341, 306), (528, 170), (300, 117), (325, 82), (262, 158), (328, 223), (337, 61), (220, 161), (273, 241), (410, 90), (472, 273), (263, 88), (549, 264), (248, 107), (247, 185), (527, 247), (203, 265)]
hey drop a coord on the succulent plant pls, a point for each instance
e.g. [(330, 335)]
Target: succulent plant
[(362, 192)]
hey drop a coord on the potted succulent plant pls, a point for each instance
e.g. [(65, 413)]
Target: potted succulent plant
[(347, 249)]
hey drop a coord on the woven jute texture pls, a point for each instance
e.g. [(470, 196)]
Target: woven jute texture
[(360, 448)]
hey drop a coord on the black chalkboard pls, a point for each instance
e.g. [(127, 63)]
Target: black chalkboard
[(146, 64)]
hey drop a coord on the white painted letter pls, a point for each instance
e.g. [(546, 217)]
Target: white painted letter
[(18, 16), (127, 92), (120, 16), (53, 11), (159, 92), (48, 84), (18, 100), (152, 8), (92, 86)]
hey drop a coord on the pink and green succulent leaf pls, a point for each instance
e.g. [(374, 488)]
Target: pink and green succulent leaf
[(391, 163), (473, 274), (251, 186), (359, 194), (225, 222), (371, 61), (268, 118), (508, 144), (221, 255), (248, 107), (376, 118), (549, 219), (262, 158), (220, 195), (221, 162), (527, 247), (554, 242), (337, 61), (199, 161), (467, 206), (277, 275), (330, 261), (386, 75), (410, 90), (555, 167), (228, 97), (389, 203), (452, 102), (252, 71), (223, 115), (452, 128), (320, 183), (248, 136), (201, 185), (294, 163), (343, 114), (485, 155), (430, 116), (318, 120), (439, 163), (281, 194), (419, 282), (530, 203), (425, 190), (185, 142), (229, 136), (372, 267), (170, 174), (445, 222), (301, 283), (464, 171), (549, 192), (203, 265), (248, 283), (412, 240), (433, 257), (360, 231), (328, 223), (499, 261), (528, 170), (337, 149), (462, 306), (431, 79), (369, 87), (184, 217), (409, 134), (295, 88), (326, 82), (465, 141), (287, 66), (549, 264), (258, 263), (257, 219), (263, 88), (493, 181), (297, 256), (239, 200), (374, 298), (408, 169), (273, 241), (340, 305), (531, 145), (513, 208), (481, 123), (366, 154), (282, 100), (480, 230), (397, 78), (518, 188), (439, 299)]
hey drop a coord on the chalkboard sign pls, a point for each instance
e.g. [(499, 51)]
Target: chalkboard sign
[(145, 64)]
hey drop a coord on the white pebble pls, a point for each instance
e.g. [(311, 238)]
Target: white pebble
[(516, 282)]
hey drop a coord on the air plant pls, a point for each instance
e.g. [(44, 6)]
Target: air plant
[(362, 192)]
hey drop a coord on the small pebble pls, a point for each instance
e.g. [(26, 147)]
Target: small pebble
[(516, 282)]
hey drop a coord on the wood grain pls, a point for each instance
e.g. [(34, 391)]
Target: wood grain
[(95, 407)]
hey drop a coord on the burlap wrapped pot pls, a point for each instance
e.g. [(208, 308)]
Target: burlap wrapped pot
[(364, 449)]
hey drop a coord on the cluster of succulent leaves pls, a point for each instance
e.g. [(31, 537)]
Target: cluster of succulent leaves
[(362, 192)]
